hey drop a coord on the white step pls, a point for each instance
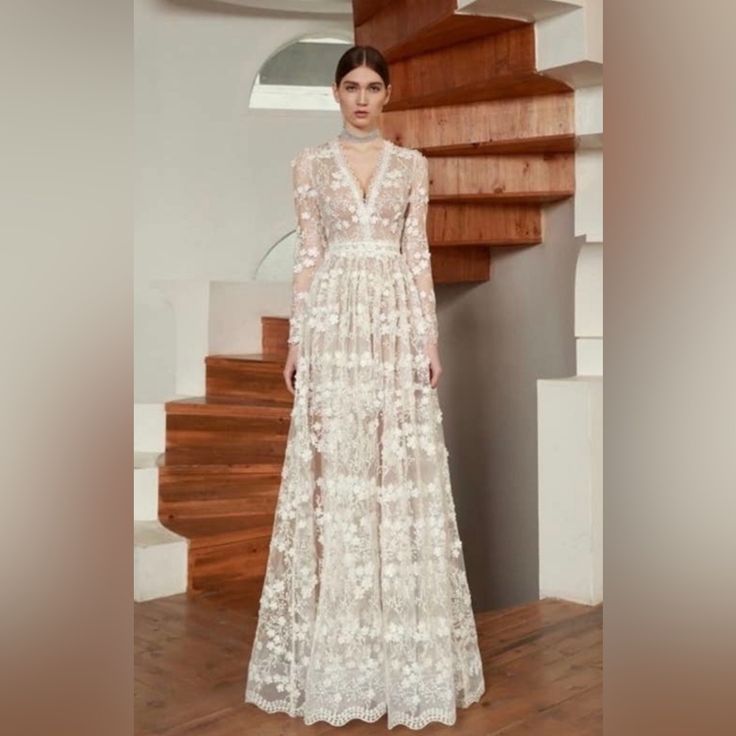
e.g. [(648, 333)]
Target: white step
[(145, 486), (589, 356), (589, 117), (588, 213), (570, 456), (570, 45), (159, 562), (149, 427), (526, 10), (589, 291)]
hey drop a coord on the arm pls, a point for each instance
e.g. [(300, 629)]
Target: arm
[(310, 241), (415, 246)]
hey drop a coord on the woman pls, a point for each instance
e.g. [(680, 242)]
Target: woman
[(365, 608)]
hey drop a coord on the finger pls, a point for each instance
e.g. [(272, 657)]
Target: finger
[(287, 381)]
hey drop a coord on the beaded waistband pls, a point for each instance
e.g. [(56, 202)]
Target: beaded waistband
[(375, 248)]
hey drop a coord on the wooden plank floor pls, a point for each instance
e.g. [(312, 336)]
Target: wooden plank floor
[(542, 663)]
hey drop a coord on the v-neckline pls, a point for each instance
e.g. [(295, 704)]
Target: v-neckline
[(364, 198)]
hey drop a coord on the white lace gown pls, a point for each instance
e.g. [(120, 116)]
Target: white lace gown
[(365, 608)]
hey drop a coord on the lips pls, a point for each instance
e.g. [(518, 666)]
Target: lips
[(361, 113)]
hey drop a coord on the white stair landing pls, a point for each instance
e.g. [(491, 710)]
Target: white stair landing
[(159, 562)]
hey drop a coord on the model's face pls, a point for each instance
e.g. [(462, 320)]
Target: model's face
[(361, 96)]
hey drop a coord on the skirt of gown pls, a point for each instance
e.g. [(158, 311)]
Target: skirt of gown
[(365, 608)]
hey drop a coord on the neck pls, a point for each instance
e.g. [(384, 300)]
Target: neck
[(351, 133), (359, 131)]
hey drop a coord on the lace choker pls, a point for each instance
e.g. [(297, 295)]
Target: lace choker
[(346, 134)]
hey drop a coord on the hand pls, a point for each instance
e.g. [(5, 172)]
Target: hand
[(435, 367), (290, 367)]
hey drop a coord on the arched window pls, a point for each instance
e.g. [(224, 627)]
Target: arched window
[(277, 263), (299, 76)]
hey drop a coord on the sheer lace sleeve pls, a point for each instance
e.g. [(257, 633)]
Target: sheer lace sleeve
[(415, 246), (310, 241)]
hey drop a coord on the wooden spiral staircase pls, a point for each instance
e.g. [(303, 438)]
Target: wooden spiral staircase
[(500, 141)]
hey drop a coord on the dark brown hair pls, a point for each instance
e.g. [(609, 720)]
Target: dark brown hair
[(357, 56)]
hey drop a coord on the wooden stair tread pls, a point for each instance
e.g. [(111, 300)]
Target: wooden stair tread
[(526, 125), (461, 265), (220, 458), (261, 358), (561, 143), (213, 405), (212, 530), (487, 242), (504, 197), (502, 86), (172, 466)]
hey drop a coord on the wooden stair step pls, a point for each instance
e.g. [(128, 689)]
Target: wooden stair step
[(169, 464), (257, 376), (207, 530), (204, 455), (213, 406), (503, 179), (506, 86), (408, 27), (489, 68), (564, 143), (544, 124), (204, 430), (483, 224), (217, 566), (274, 337), (456, 265), (276, 325), (504, 197), (224, 550), (198, 491), (519, 242)]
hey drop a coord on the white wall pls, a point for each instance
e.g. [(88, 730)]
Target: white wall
[(496, 340), (213, 188)]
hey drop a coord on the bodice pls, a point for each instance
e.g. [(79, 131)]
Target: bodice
[(348, 216)]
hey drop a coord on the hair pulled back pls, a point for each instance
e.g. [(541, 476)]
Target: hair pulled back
[(357, 56)]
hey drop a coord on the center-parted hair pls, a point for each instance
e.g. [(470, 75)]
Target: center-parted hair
[(357, 56)]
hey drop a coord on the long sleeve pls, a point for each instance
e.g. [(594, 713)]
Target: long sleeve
[(415, 245), (310, 240)]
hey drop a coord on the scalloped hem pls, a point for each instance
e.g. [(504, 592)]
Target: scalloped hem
[(448, 717)]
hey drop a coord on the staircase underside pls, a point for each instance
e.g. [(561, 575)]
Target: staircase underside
[(499, 135)]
